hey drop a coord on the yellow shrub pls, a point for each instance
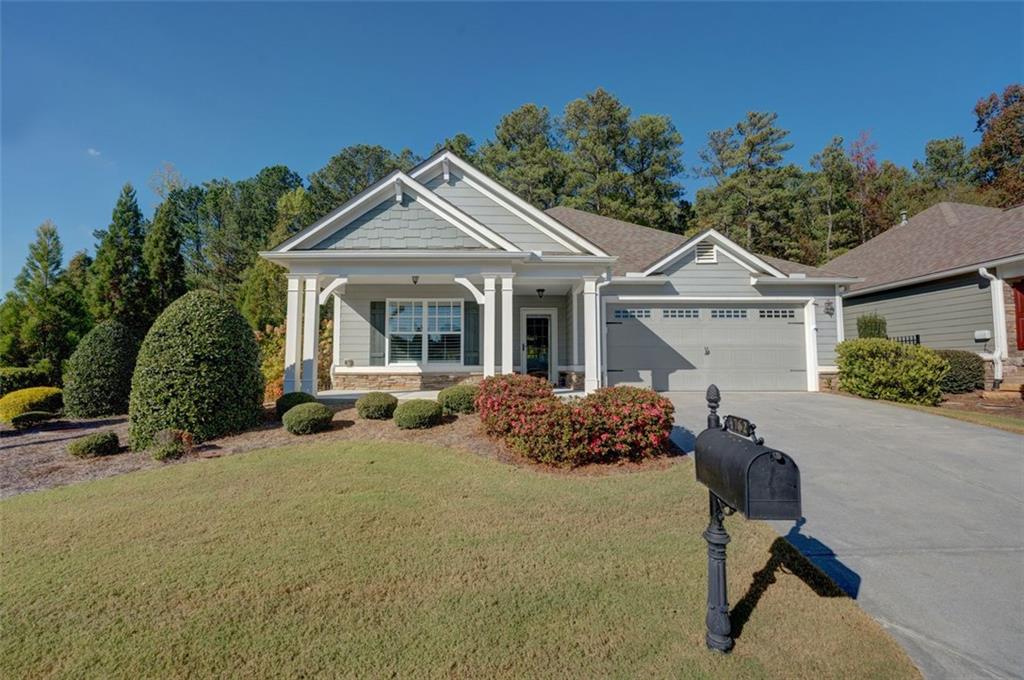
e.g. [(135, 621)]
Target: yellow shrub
[(49, 399)]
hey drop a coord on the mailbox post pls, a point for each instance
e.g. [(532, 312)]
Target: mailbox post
[(740, 474)]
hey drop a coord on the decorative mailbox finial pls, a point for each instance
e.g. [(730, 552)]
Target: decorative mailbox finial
[(714, 398)]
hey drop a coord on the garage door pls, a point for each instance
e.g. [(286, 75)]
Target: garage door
[(688, 347)]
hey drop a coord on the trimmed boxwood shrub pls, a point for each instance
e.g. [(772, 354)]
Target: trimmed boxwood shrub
[(286, 402), (98, 376), (198, 371), (171, 443), (872, 326), (501, 400), (417, 414), (18, 378), (97, 444), (966, 371), (885, 369), (376, 405), (23, 421), (458, 399), (49, 399), (308, 418)]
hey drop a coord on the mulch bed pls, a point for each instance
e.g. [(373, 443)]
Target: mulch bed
[(37, 459), (972, 401)]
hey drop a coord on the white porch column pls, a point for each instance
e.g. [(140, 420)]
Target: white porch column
[(292, 335), (590, 378), (310, 335), (488, 354), (336, 328), (506, 324)]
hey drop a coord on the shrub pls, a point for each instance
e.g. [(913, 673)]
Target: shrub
[(23, 421), (458, 399), (966, 371), (98, 376), (308, 418), (96, 444), (18, 378), (376, 405), (197, 371), (15, 403), (289, 401), (871, 326), (501, 400), (417, 414), (885, 369), (171, 443)]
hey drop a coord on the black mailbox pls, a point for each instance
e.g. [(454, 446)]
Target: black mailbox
[(759, 482)]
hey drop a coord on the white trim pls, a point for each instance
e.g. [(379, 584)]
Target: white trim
[(1001, 350), (811, 346), (726, 244), (403, 369), (574, 334), (336, 332), (433, 255), (552, 313), (310, 335), (337, 284), (936, 276), (731, 257), (840, 324), (538, 217), (468, 285), (819, 280), (506, 323), (293, 336), (692, 298), (710, 258), (424, 348), (488, 348), (591, 340)]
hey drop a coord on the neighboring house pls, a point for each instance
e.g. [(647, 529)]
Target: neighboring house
[(951, 277), (441, 275)]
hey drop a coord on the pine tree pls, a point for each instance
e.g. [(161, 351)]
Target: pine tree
[(524, 156), (119, 284), (161, 252), (653, 157), (596, 129)]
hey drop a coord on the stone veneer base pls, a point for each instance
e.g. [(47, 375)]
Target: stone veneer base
[(401, 381)]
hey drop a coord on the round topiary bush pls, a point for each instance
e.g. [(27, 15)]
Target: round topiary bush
[(48, 399), (286, 402), (308, 418), (98, 376), (458, 399), (417, 414), (198, 371), (966, 371), (97, 444), (376, 405)]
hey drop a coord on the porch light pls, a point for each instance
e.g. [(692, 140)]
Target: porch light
[(540, 293), (415, 280), (830, 307)]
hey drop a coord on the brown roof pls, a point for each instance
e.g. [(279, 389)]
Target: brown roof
[(945, 237), (638, 247)]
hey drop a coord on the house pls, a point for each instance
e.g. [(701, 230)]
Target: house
[(951, 277), (440, 275)]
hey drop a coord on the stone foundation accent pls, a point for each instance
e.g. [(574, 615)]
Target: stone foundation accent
[(828, 382), (401, 381)]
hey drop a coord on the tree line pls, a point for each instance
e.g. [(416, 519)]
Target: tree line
[(596, 156)]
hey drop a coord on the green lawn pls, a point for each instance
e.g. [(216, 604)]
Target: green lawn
[(1000, 421), (392, 560)]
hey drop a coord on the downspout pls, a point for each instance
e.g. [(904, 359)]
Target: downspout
[(998, 323), (602, 329)]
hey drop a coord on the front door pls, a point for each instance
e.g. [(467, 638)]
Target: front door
[(537, 346)]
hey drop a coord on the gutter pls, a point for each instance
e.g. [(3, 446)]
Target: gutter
[(603, 330), (936, 275), (998, 323), (276, 256), (797, 281)]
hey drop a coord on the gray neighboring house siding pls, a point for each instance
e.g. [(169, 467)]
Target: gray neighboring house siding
[(396, 226), (483, 209), (945, 313)]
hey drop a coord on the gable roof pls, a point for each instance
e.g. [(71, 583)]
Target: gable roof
[(945, 237), (639, 247)]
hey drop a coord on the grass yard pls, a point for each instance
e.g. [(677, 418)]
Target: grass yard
[(396, 560), (1010, 422)]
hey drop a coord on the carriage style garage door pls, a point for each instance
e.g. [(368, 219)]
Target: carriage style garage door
[(689, 346)]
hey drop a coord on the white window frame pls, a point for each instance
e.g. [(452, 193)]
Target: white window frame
[(425, 361)]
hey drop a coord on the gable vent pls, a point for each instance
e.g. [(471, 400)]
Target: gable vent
[(706, 253)]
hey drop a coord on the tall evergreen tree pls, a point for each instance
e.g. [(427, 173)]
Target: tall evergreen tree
[(653, 158), (118, 282), (353, 169), (524, 156), (596, 130), (946, 166), (161, 252), (830, 190), (462, 145)]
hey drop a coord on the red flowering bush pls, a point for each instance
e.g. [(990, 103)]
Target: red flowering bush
[(501, 400), (627, 422)]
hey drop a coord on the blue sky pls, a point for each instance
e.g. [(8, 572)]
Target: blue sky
[(94, 95)]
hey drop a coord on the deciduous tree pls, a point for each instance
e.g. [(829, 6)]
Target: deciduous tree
[(999, 158)]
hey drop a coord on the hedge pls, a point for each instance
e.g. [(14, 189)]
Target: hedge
[(417, 414), (966, 371), (49, 399), (198, 371), (308, 418), (376, 405), (23, 421), (458, 399), (98, 376), (885, 369), (872, 326), (287, 402), (18, 378), (97, 444)]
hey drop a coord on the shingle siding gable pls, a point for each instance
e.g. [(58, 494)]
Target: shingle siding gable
[(398, 226)]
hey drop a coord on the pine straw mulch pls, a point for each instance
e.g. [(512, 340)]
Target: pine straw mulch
[(37, 459)]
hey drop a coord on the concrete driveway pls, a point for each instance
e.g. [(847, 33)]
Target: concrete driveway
[(919, 517)]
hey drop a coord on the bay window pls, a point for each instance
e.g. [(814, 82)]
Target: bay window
[(424, 331)]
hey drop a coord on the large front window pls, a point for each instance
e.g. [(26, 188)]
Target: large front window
[(424, 329)]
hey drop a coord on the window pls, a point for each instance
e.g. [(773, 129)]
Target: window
[(728, 314), (706, 253), (632, 314), (776, 313), (680, 313), (424, 330)]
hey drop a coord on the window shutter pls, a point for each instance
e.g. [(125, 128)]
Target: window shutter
[(377, 321), (471, 333)]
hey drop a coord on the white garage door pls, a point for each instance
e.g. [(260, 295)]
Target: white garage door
[(689, 346)]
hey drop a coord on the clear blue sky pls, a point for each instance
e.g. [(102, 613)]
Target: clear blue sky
[(95, 95)]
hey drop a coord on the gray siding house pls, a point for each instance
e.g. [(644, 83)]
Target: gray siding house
[(951, 277), (440, 275)]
